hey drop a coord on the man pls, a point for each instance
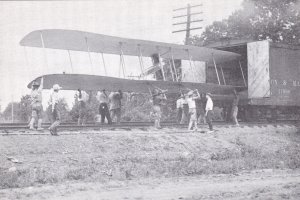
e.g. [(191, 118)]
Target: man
[(158, 97), (55, 114), (83, 97), (192, 109), (103, 107), (36, 105), (200, 107), (235, 108), (209, 111), (179, 107), (115, 105), (185, 110)]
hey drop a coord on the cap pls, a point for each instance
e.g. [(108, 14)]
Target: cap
[(56, 87), (190, 93), (209, 94)]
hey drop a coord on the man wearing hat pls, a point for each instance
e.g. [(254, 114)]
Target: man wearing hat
[(115, 99), (103, 107), (192, 109), (234, 108), (200, 107), (185, 110), (82, 98), (209, 111), (36, 105), (54, 99), (158, 99)]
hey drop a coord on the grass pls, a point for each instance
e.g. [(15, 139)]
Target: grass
[(124, 157)]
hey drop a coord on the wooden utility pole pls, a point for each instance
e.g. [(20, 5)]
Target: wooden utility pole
[(188, 21)]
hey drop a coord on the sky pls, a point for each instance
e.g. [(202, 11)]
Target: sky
[(137, 19)]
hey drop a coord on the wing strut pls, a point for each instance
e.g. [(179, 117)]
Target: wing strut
[(171, 70), (71, 64), (171, 67), (122, 61), (172, 57), (43, 44), (141, 59), (160, 65), (192, 68), (216, 68), (242, 73), (88, 49), (223, 75), (104, 66)]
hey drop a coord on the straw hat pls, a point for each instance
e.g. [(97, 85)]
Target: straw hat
[(190, 93), (56, 87)]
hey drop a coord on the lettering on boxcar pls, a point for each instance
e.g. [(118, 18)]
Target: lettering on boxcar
[(284, 82), (284, 92), (296, 83), (273, 82)]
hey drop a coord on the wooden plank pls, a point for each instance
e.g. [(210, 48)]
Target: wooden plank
[(258, 69)]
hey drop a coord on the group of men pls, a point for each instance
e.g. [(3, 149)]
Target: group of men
[(113, 100), (37, 107), (191, 107), (109, 106)]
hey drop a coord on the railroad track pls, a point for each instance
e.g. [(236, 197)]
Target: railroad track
[(127, 125), (20, 126)]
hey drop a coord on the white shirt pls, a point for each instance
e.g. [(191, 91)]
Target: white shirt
[(191, 102), (84, 96), (209, 104), (101, 97), (179, 103), (54, 99)]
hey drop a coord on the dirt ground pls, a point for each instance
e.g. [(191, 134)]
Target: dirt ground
[(258, 162)]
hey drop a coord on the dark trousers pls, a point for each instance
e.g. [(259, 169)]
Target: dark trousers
[(55, 120), (186, 112), (209, 117), (104, 112), (179, 114), (116, 113)]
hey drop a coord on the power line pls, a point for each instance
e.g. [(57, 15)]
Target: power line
[(186, 7), (188, 21)]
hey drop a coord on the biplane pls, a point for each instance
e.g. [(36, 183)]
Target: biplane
[(73, 40)]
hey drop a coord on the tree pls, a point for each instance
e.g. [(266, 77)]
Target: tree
[(275, 20), (25, 108), (8, 113), (63, 110), (21, 110)]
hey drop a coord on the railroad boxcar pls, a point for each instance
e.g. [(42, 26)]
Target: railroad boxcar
[(271, 72)]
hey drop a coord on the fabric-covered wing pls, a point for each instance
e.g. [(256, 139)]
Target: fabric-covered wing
[(96, 83), (84, 41)]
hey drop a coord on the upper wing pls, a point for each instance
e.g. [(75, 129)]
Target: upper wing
[(85, 41), (94, 82)]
